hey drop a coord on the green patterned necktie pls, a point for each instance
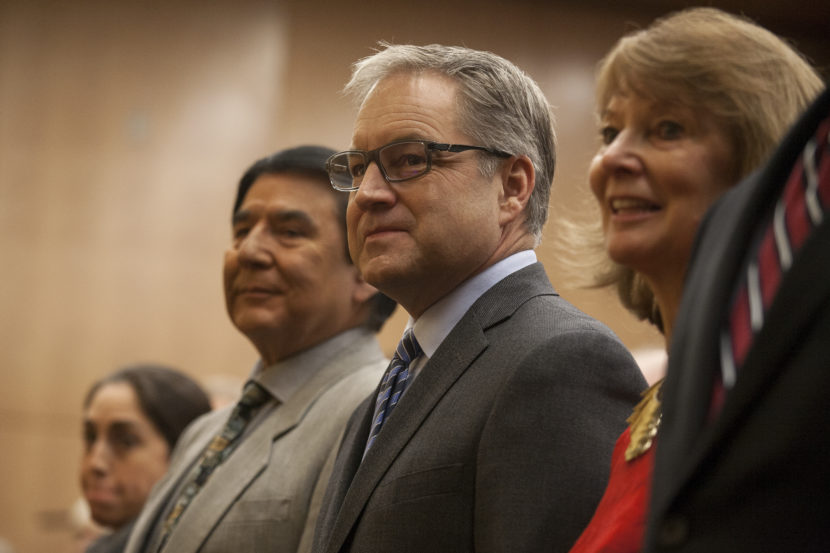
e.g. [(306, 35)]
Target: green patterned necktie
[(219, 449)]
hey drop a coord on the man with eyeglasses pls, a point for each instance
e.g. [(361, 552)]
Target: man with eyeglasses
[(492, 428)]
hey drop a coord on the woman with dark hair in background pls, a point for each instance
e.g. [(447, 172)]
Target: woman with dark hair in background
[(132, 420), (687, 107)]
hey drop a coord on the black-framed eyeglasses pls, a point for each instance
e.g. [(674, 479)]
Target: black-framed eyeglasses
[(398, 161)]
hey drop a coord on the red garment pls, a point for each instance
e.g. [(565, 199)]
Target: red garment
[(619, 522)]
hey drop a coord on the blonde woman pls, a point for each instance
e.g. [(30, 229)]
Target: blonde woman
[(687, 107)]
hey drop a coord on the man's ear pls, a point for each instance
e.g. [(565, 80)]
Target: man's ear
[(518, 179)]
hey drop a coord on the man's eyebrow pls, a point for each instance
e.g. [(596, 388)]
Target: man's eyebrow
[(413, 136), (292, 215), (279, 216), (240, 216)]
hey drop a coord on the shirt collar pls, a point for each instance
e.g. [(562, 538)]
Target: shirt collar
[(435, 324), (285, 377)]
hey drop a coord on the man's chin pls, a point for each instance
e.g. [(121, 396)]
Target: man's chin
[(252, 315), (254, 325), (259, 324), (387, 276)]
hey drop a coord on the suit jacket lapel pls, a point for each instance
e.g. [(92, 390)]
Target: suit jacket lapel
[(253, 454), (687, 390), (458, 351), (687, 437), (424, 392), (236, 473), (791, 311), (346, 465), (225, 485)]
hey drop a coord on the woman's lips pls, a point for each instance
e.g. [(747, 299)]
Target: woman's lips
[(622, 206)]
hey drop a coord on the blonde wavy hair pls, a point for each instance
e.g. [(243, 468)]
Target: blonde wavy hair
[(751, 81)]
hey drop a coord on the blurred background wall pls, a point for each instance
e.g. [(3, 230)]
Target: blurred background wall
[(124, 127)]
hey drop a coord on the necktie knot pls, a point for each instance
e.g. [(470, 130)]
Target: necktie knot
[(253, 395), (408, 348)]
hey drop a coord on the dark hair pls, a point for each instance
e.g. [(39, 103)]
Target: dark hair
[(311, 161), (169, 398)]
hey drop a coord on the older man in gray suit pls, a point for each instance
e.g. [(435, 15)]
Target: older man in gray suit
[(493, 427), (244, 478)]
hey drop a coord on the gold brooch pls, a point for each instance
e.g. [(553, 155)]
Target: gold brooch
[(644, 422)]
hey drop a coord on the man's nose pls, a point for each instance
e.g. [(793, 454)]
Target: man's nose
[(254, 247), (374, 189)]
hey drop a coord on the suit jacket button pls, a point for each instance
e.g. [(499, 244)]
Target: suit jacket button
[(673, 531)]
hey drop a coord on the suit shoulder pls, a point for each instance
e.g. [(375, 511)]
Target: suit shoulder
[(549, 340), (553, 315), (336, 403), (356, 384)]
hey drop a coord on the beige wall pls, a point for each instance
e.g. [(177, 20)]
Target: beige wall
[(123, 131)]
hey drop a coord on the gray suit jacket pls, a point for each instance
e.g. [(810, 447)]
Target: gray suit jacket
[(260, 498), (756, 478), (503, 441)]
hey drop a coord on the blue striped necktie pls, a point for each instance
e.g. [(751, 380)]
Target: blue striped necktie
[(393, 384)]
